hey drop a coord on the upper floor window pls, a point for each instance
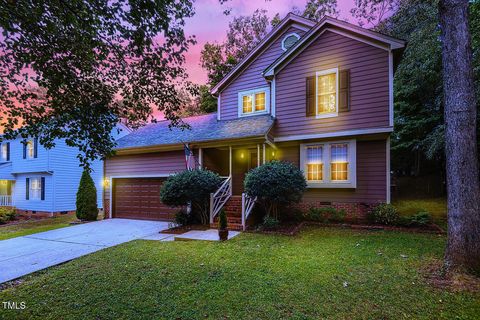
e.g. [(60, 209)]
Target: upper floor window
[(289, 40), (327, 89), (5, 151), (253, 102), (30, 149), (329, 164)]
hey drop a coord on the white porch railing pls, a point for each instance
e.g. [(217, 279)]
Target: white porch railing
[(218, 199), (247, 205), (6, 201)]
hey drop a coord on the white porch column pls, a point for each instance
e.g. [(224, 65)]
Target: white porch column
[(264, 160), (230, 159), (200, 157), (258, 154)]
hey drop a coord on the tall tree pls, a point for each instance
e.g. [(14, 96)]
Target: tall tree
[(373, 12), (95, 61), (463, 247)]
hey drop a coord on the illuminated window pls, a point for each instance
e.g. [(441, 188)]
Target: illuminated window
[(329, 164), (315, 163), (253, 102), (339, 162), (327, 87), (4, 152), (35, 188), (30, 149)]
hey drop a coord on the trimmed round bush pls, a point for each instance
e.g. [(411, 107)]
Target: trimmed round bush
[(275, 184), (384, 214), (87, 208), (191, 187)]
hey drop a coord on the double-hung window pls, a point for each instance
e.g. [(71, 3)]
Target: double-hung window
[(5, 151), (253, 102), (30, 149), (35, 188), (329, 164), (327, 93)]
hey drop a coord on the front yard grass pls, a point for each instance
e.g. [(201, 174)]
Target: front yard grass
[(34, 226), (437, 207), (320, 273)]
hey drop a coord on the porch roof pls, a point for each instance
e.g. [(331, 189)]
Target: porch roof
[(6, 171), (204, 128)]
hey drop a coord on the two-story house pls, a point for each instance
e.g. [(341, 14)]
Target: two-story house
[(319, 95), (42, 182)]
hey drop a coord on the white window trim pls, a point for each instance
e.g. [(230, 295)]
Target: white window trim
[(30, 189), (285, 38), (326, 182), (331, 114), (241, 94)]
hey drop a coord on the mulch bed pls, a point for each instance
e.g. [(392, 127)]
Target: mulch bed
[(183, 229), (292, 228), (455, 281)]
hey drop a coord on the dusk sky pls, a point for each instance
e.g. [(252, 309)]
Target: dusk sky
[(210, 23)]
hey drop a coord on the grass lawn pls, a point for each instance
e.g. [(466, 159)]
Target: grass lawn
[(321, 273), (34, 226), (437, 207)]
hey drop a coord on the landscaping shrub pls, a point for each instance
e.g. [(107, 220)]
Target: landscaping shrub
[(191, 186), (275, 184), (384, 214), (6, 214), (325, 214), (222, 220), (183, 218), (87, 208), (270, 223), (421, 218)]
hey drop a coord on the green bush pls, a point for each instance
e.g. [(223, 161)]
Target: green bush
[(275, 184), (222, 220), (325, 214), (421, 218), (183, 218), (270, 223), (191, 186), (6, 214), (384, 214), (87, 208)]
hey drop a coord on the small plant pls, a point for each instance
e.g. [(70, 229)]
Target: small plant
[(222, 220), (6, 214), (384, 214), (421, 218), (270, 223), (325, 214), (87, 208)]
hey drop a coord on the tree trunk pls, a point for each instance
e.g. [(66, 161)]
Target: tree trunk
[(463, 191)]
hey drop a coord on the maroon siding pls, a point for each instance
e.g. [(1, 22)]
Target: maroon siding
[(371, 175), (369, 86), (251, 77)]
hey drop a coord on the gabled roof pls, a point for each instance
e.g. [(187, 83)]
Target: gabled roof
[(290, 18), (204, 128), (372, 37)]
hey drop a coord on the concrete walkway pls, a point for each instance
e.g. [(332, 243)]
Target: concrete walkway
[(23, 255)]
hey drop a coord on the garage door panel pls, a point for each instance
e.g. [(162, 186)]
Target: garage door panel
[(139, 198)]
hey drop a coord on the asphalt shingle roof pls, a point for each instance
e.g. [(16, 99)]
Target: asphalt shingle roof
[(202, 129)]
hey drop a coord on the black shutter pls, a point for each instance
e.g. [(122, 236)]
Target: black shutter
[(344, 91), (8, 151), (35, 147), (27, 188), (310, 97), (24, 149), (43, 188)]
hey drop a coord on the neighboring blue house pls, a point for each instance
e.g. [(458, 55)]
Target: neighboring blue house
[(40, 182)]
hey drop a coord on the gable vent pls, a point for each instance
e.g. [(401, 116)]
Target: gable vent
[(289, 40)]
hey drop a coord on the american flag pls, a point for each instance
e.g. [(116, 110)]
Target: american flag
[(190, 159)]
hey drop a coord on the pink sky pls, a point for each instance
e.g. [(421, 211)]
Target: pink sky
[(210, 24)]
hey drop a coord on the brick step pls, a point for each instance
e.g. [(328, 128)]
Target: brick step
[(231, 226), (230, 220)]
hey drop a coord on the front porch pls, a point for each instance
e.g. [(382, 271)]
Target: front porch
[(6, 193)]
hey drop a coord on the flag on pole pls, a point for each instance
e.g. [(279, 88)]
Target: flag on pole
[(189, 158)]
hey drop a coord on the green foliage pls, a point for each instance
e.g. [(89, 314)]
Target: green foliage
[(384, 214), (270, 223), (206, 102), (421, 218), (89, 63), (191, 186), (6, 214), (87, 198), (276, 183), (325, 214), (222, 220), (183, 218)]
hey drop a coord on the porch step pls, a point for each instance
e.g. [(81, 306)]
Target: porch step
[(233, 206), (231, 226)]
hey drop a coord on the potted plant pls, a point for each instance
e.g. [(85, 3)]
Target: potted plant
[(222, 226)]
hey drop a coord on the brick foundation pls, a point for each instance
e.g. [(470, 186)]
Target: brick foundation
[(355, 212), (33, 214)]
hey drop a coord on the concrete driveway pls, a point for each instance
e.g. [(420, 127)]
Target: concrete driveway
[(23, 255)]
